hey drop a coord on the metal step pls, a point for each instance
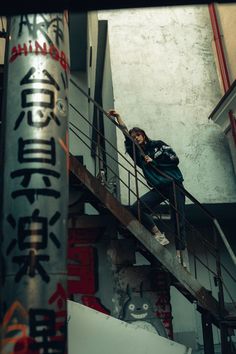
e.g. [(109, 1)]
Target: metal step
[(188, 283)]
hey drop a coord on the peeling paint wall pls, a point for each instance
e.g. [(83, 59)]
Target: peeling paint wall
[(165, 80)]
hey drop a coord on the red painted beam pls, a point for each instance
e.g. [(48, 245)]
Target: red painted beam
[(219, 48)]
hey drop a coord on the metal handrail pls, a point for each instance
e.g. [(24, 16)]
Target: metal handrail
[(205, 242), (132, 140), (217, 275), (187, 193), (127, 186), (213, 273)]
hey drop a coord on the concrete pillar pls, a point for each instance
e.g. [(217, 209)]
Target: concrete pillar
[(35, 186)]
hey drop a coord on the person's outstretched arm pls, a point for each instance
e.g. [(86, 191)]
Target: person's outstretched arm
[(129, 148), (120, 121)]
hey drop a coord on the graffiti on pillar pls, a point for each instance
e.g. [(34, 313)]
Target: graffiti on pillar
[(138, 310), (36, 176), (29, 99), (37, 330), (35, 209), (40, 25), (42, 323), (14, 321), (31, 263), (48, 327), (58, 300)]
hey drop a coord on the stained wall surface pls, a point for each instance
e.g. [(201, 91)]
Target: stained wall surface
[(165, 81)]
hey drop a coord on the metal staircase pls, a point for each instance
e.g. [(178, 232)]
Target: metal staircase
[(189, 283), (213, 308)]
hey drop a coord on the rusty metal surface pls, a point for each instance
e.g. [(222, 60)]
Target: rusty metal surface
[(190, 284)]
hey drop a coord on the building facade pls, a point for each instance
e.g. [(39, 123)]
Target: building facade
[(159, 68)]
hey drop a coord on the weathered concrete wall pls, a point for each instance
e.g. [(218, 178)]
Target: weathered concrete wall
[(165, 80)]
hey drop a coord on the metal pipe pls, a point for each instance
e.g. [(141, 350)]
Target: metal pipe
[(207, 333), (219, 47), (136, 180), (35, 177), (129, 188), (177, 218), (221, 302), (101, 171), (222, 62)]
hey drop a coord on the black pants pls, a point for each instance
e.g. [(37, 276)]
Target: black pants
[(150, 200)]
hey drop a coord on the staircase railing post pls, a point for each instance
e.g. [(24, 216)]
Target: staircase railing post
[(136, 180), (128, 188), (177, 217), (208, 339), (98, 140), (223, 328)]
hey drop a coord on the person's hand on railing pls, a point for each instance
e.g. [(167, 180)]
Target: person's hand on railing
[(112, 113), (148, 159)]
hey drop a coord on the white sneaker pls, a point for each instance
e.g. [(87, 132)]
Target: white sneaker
[(178, 258), (160, 237)]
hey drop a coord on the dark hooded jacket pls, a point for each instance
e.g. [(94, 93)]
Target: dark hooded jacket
[(164, 159)]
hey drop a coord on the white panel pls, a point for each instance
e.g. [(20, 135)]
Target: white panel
[(91, 332)]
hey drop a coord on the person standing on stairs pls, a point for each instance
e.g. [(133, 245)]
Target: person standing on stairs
[(156, 153)]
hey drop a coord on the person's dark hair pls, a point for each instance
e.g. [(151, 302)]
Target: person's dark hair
[(139, 130)]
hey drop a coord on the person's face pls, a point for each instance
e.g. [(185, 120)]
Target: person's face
[(138, 137)]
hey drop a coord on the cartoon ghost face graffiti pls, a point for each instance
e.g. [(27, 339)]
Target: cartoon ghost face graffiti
[(137, 309)]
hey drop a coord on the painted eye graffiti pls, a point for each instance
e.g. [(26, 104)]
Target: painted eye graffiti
[(145, 306), (131, 307)]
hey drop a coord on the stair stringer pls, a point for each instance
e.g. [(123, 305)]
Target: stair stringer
[(199, 293)]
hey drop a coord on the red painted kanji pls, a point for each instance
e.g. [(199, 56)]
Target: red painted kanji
[(163, 302), (81, 273)]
